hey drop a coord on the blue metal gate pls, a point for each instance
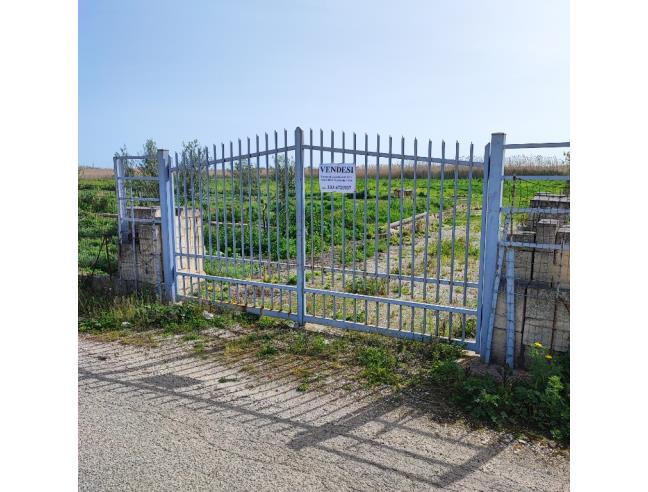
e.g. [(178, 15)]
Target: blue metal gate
[(411, 251)]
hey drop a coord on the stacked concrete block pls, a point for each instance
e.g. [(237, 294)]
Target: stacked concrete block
[(524, 256), (546, 230), (140, 260), (140, 254), (541, 286), (539, 316), (551, 202)]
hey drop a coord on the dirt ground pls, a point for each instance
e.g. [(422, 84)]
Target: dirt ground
[(165, 419)]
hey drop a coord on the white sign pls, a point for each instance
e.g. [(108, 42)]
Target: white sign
[(337, 178)]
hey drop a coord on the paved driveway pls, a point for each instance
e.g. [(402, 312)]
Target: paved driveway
[(163, 419)]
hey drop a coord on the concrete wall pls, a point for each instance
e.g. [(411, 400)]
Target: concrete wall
[(541, 286)]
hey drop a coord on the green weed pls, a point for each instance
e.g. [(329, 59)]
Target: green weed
[(539, 402), (267, 350), (369, 287), (379, 366)]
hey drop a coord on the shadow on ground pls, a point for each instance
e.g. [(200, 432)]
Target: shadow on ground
[(406, 435)]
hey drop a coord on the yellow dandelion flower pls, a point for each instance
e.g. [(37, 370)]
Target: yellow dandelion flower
[(537, 345)]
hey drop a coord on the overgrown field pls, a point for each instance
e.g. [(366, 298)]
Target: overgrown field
[(97, 234), (248, 216)]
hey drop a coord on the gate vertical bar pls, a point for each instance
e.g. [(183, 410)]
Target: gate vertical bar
[(510, 306), (493, 202), (167, 213), (301, 232)]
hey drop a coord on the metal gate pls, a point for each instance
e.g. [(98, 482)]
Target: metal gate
[(404, 254), (414, 249), (410, 251)]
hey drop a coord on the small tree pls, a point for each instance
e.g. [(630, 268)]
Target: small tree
[(149, 165), (141, 167), (123, 152), (191, 153)]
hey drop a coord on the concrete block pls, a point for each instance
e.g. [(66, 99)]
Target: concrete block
[(537, 330), (547, 319), (561, 341), (523, 236), (543, 266), (562, 235), (546, 231), (540, 303), (549, 201), (523, 264), (561, 268), (562, 311)]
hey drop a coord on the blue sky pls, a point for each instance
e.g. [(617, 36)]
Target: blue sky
[(215, 70)]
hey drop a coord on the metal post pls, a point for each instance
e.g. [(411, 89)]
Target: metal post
[(493, 202), (301, 232), (167, 212), (122, 225)]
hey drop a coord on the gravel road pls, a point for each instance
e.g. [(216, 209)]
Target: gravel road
[(164, 419)]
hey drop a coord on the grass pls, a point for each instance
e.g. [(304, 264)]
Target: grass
[(369, 287), (267, 350), (97, 230), (101, 314), (379, 366)]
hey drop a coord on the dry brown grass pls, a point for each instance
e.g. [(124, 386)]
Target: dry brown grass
[(519, 167), (462, 171), (95, 173), (435, 171)]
